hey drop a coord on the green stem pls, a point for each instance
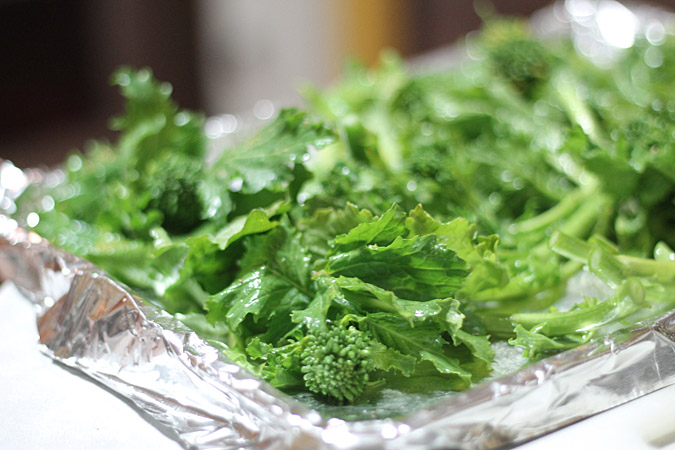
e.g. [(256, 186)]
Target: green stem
[(577, 249), (581, 222), (577, 109), (643, 267), (606, 267), (629, 297), (566, 207), (581, 251), (560, 323)]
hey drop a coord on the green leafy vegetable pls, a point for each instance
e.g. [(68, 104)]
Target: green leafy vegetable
[(387, 237)]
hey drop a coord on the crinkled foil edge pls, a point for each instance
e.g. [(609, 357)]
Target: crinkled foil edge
[(198, 396)]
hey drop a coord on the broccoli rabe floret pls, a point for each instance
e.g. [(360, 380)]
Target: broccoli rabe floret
[(336, 362), (173, 188), (515, 56), (646, 140), (523, 62)]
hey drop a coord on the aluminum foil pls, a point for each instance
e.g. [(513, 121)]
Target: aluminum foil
[(198, 396)]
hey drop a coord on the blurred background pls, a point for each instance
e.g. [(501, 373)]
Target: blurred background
[(221, 56)]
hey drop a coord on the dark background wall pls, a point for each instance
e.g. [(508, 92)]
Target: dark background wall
[(57, 58)]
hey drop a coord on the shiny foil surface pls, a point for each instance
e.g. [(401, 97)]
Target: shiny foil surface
[(196, 395)]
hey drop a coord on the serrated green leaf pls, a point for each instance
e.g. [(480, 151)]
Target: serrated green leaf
[(387, 358), (460, 235), (381, 231), (153, 126), (256, 221), (423, 341), (418, 268), (260, 290), (371, 298), (480, 349), (280, 366), (325, 224), (279, 284), (316, 314), (268, 160)]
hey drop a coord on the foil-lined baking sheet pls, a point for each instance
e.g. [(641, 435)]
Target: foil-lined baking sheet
[(97, 326)]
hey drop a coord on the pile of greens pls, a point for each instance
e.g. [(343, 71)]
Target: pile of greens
[(389, 236)]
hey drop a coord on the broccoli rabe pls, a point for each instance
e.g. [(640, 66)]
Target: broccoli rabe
[(296, 245), (336, 362), (640, 288), (173, 189), (514, 55)]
